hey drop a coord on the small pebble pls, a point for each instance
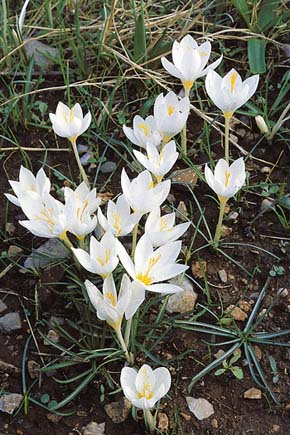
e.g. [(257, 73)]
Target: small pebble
[(253, 394), (108, 167)]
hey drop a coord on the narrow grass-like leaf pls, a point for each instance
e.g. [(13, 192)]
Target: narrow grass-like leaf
[(213, 365), (257, 55)]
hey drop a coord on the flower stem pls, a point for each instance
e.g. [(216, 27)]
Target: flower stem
[(218, 230), (73, 141), (129, 322), (184, 130), (149, 420), (123, 345), (134, 239), (227, 136)]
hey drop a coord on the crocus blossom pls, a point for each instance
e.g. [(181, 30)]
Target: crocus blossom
[(189, 61), (38, 185), (47, 216), (102, 258), (230, 92), (141, 193), (170, 114), (120, 221), (143, 131), (111, 306), (158, 163), (162, 229), (70, 123), (145, 387), (81, 204), (150, 266), (226, 180)]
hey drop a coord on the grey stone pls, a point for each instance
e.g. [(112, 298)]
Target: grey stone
[(50, 251), (33, 369), (85, 158), (9, 402), (183, 301), (201, 408), (41, 53), (94, 428), (108, 167), (3, 306), (82, 148), (10, 322), (118, 411)]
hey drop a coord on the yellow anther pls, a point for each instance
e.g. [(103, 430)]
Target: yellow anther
[(170, 110), (145, 129), (227, 180), (234, 76)]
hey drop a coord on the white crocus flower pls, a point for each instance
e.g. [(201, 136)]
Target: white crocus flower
[(84, 197), (170, 114), (111, 306), (81, 204), (143, 131), (120, 221), (158, 163), (226, 180), (145, 387), (47, 216), (230, 92), (102, 258), (141, 193), (69, 123), (38, 185), (162, 229), (189, 61), (151, 267)]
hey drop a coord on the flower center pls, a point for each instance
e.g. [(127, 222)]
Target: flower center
[(227, 179), (234, 76), (80, 211), (117, 223), (111, 297), (145, 128), (46, 215), (170, 110), (145, 277), (104, 261)]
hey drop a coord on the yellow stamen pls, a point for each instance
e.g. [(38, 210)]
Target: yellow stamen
[(234, 76), (146, 391), (170, 110), (227, 180), (145, 278), (117, 223), (111, 297), (145, 129), (163, 226), (80, 212), (104, 261), (46, 215)]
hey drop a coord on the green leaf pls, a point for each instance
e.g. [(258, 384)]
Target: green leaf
[(236, 356), (256, 55), (219, 372), (45, 398), (140, 38), (284, 202), (267, 15), (237, 372), (243, 9)]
